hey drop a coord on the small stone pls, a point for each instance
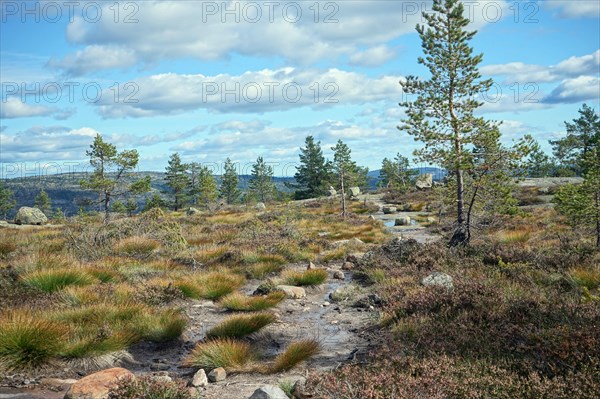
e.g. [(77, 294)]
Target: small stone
[(260, 206), (97, 385), (200, 379), (355, 257), (388, 210), (311, 266), (348, 266), (299, 390), (325, 304), (217, 375), (402, 221), (292, 291), (339, 275), (193, 211), (269, 392)]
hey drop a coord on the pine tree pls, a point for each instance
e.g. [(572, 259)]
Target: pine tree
[(538, 163), (261, 183), (442, 115), (193, 190), (229, 183), (43, 203), (155, 201), (343, 168), (119, 207), (583, 136), (396, 174), (7, 201), (314, 172), (207, 187), (58, 216), (177, 180), (131, 206), (110, 169)]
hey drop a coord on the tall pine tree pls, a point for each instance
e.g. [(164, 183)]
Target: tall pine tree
[(344, 168), (442, 114), (43, 203), (314, 172), (207, 188), (177, 180), (261, 183), (229, 183)]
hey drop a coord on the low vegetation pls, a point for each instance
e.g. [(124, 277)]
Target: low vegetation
[(308, 277), (295, 353), (242, 303), (240, 326), (226, 353)]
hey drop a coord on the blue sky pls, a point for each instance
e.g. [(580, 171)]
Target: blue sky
[(221, 79)]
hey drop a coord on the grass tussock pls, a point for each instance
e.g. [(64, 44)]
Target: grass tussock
[(243, 303), (136, 247), (210, 286), (308, 277), (56, 280), (226, 353), (240, 326), (295, 353), (28, 341)]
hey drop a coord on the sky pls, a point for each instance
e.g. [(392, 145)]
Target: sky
[(242, 79)]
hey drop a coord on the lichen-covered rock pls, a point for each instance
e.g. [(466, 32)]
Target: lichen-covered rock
[(200, 379), (402, 221), (292, 292), (438, 279), (424, 181), (354, 191), (97, 385), (217, 375), (269, 392), (33, 216)]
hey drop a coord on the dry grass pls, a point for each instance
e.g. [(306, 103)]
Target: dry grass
[(226, 353), (55, 280), (210, 286), (240, 326), (308, 277), (136, 247), (240, 302), (295, 353)]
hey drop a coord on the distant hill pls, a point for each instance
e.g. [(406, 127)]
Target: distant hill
[(438, 174), (65, 192)]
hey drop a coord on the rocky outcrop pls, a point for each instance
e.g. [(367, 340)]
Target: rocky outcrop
[(424, 181), (269, 392)]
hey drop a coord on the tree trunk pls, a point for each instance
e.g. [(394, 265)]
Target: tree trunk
[(462, 234), (106, 207), (343, 196)]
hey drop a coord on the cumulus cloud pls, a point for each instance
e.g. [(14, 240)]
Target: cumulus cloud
[(251, 92), (13, 108), (520, 72), (299, 32), (372, 57), (575, 90), (95, 58)]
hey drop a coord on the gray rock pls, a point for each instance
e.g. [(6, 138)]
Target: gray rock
[(299, 390), (217, 375), (402, 221), (311, 266), (339, 275), (438, 279), (27, 215), (260, 206), (193, 211), (292, 292), (348, 266), (388, 210), (269, 392), (354, 191), (424, 181), (355, 257), (199, 379), (332, 192)]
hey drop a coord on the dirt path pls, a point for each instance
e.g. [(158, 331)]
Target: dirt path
[(414, 231)]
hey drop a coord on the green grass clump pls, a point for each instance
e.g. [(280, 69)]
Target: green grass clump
[(240, 325), (261, 270), (210, 286), (105, 275), (225, 353), (587, 278), (56, 279), (136, 247), (294, 354), (309, 277), (243, 303), (28, 341)]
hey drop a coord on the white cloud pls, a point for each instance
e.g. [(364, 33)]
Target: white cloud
[(575, 90), (95, 58), (575, 8), (251, 92), (204, 30), (372, 57), (522, 73), (13, 108)]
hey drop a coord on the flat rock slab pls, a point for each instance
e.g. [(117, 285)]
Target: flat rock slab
[(97, 385)]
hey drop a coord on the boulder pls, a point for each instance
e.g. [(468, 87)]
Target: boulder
[(388, 210), (269, 392), (97, 385), (339, 275), (217, 375), (402, 221), (292, 292), (424, 181), (348, 266), (438, 279), (27, 215), (193, 211), (354, 191), (331, 192), (199, 379), (355, 257), (260, 206)]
